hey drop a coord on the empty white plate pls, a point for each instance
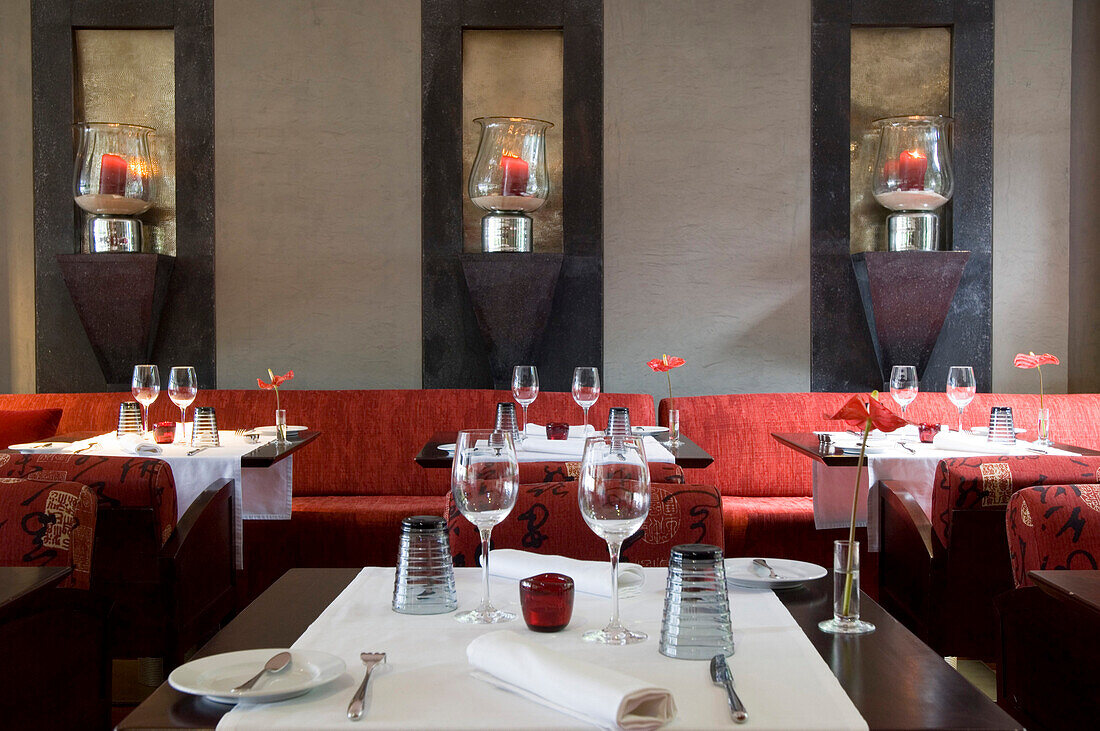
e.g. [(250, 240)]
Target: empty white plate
[(742, 572), (269, 431), (215, 676), (40, 447), (984, 430), (446, 447)]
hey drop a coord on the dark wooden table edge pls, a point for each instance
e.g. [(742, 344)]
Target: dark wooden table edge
[(1047, 580), (430, 457), (19, 582), (258, 457)]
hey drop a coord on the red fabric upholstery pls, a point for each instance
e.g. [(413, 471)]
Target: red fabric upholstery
[(48, 523), (117, 481), (1053, 527), (547, 519), (971, 483), (27, 425)]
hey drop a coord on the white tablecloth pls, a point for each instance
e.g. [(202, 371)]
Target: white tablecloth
[(537, 448), (258, 493), (914, 472), (426, 681)]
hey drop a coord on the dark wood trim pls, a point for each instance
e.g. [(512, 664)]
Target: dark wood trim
[(842, 354), (454, 355), (64, 360)]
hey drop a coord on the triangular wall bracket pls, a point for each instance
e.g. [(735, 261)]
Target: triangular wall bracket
[(906, 297)]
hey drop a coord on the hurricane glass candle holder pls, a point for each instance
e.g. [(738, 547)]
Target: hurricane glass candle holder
[(114, 182)]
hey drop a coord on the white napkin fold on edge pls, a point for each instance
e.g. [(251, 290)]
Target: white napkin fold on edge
[(575, 432), (134, 444), (953, 441), (542, 445), (577, 688), (589, 577)]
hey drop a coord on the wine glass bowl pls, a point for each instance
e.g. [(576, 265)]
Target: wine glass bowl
[(183, 387), (484, 482), (525, 389), (145, 386), (586, 389), (904, 385), (613, 494), (961, 388)]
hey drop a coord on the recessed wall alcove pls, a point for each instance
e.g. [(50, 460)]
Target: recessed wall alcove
[(458, 351)]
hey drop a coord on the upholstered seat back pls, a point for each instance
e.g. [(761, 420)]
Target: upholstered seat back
[(48, 523), (1053, 527)]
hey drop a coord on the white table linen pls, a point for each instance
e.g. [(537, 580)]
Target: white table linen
[(590, 577), (537, 448), (427, 680)]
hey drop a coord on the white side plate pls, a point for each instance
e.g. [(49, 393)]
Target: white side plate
[(741, 572), (269, 431), (40, 447), (216, 675)]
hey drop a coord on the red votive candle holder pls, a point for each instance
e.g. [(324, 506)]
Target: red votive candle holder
[(557, 430), (547, 601), (928, 432), (164, 432)]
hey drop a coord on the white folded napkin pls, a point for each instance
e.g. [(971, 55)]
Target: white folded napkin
[(953, 441), (591, 693), (134, 444), (589, 577), (575, 432), (561, 447)]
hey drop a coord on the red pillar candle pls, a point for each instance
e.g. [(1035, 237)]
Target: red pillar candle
[(516, 173), (912, 166), (112, 175)]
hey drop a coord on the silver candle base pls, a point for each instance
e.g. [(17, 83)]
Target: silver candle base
[(506, 231), (113, 234), (913, 231)]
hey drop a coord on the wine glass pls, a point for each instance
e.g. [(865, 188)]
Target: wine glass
[(613, 492), (145, 386), (485, 480), (525, 389), (586, 389), (904, 385), (183, 386), (960, 388)]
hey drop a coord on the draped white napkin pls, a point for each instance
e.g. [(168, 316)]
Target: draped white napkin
[(538, 449), (134, 444), (591, 693), (590, 577), (953, 441), (575, 432)]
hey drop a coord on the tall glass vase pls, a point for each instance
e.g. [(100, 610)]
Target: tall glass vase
[(846, 592), (1044, 428)]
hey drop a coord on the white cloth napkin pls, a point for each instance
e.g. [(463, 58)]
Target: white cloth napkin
[(595, 694), (953, 441), (575, 432), (590, 577), (534, 444), (134, 444)]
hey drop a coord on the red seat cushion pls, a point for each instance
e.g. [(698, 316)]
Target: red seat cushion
[(778, 527), (1053, 527), (30, 425)]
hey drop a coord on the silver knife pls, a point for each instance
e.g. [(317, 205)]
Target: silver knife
[(720, 674), (195, 451)]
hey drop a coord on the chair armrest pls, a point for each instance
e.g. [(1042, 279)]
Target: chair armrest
[(904, 510), (194, 516)]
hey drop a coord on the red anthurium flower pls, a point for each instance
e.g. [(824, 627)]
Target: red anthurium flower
[(1030, 360), (860, 409), (276, 381), (664, 364)]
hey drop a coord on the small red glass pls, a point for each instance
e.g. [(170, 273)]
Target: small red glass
[(928, 432), (164, 432), (547, 601), (557, 430)]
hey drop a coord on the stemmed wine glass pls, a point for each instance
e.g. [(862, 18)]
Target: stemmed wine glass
[(485, 480), (525, 389), (586, 389), (145, 386), (183, 387), (904, 385), (613, 493), (960, 388)]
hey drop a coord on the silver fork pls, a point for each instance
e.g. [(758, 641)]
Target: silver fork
[(370, 659), (85, 448)]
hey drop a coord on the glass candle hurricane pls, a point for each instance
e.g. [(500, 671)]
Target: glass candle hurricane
[(114, 169), (913, 165)]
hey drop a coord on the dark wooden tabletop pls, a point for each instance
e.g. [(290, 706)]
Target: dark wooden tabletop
[(806, 443), (894, 680), (1073, 586), (263, 456), (689, 454), (17, 582)]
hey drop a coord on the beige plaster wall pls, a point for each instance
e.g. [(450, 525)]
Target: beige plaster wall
[(17, 196), (317, 117), (1031, 152), (707, 194)]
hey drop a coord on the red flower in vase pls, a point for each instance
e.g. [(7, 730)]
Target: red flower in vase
[(276, 381), (664, 364), (1030, 360)]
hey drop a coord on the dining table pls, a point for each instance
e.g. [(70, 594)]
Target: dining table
[(889, 677)]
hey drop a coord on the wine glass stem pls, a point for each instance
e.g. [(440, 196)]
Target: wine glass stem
[(525, 418), (586, 420), (960, 419), (485, 533), (613, 549), (145, 419), (183, 424)]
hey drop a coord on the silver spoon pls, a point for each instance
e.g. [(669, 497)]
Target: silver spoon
[(274, 665), (764, 565)]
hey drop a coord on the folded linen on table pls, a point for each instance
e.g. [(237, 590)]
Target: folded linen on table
[(580, 689), (134, 444), (590, 577), (953, 441), (541, 449), (575, 432)]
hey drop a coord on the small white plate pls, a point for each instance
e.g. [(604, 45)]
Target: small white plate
[(446, 447), (40, 447), (269, 431), (984, 430), (870, 449), (741, 572), (214, 676), (649, 430)]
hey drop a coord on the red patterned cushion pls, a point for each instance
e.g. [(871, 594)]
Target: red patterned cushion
[(18, 427), (131, 482), (973, 483), (47, 524), (532, 472), (547, 519), (1053, 527)]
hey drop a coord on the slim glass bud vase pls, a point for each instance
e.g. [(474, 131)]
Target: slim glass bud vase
[(846, 592), (280, 426), (1044, 428), (673, 428)]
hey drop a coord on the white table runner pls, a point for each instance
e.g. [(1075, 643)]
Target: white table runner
[(426, 682), (537, 448), (914, 471)]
